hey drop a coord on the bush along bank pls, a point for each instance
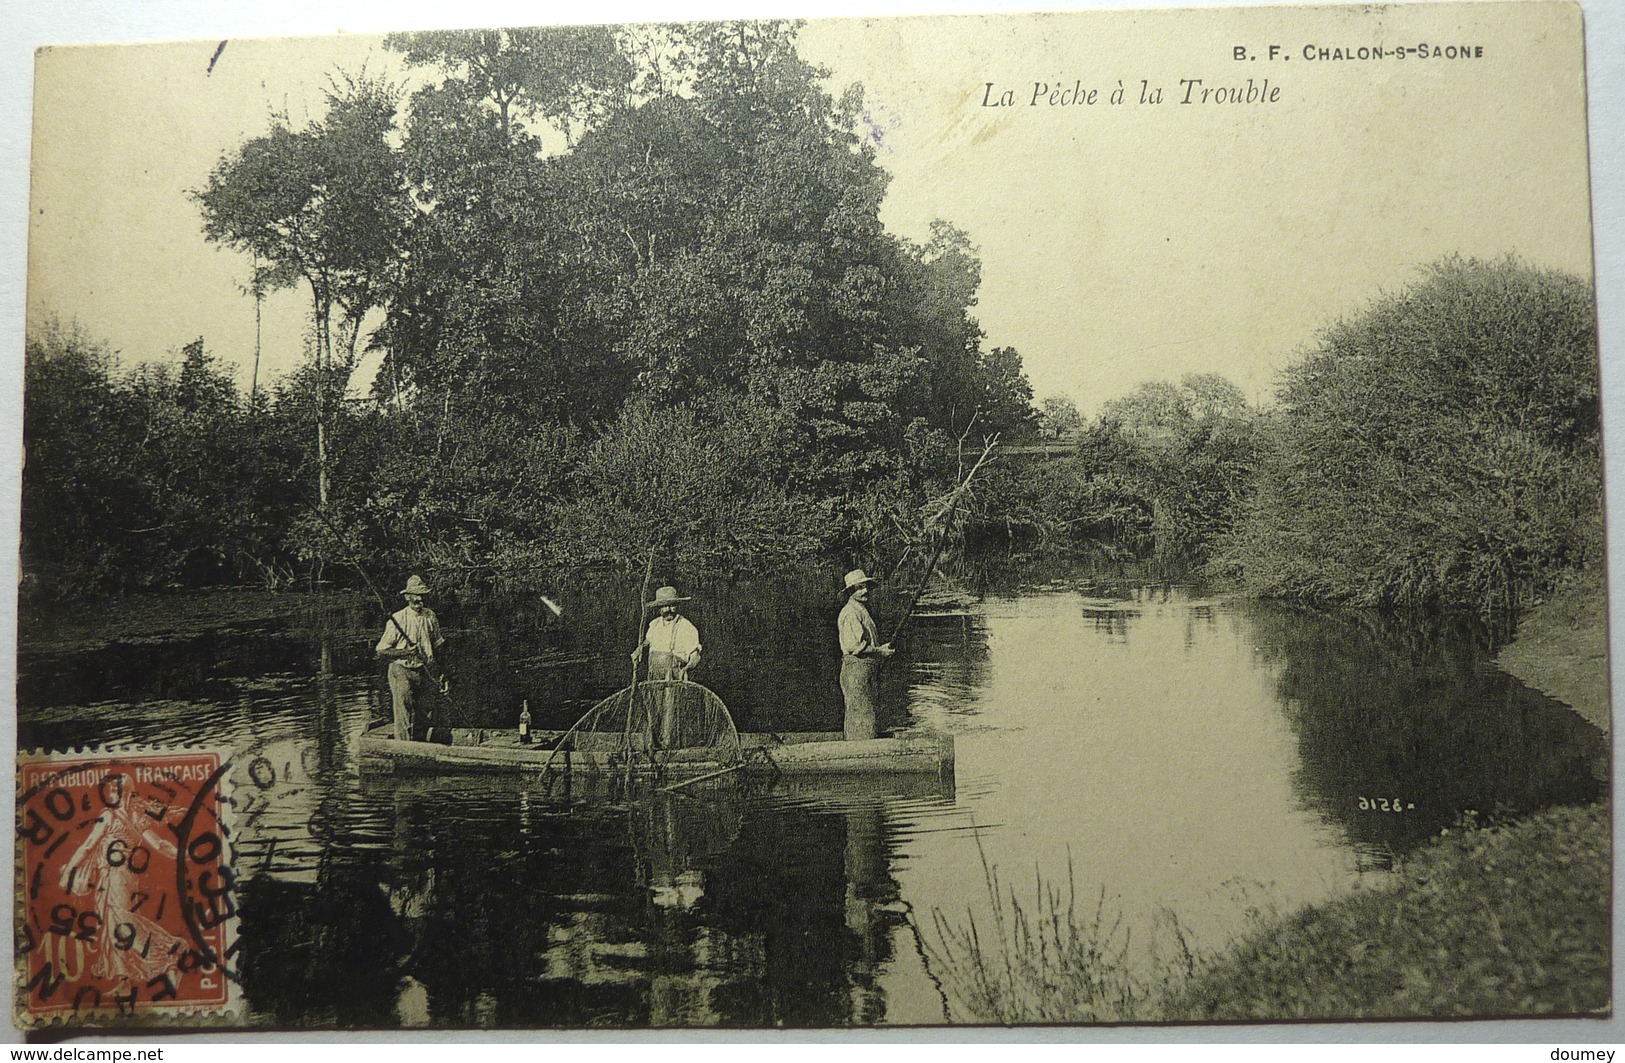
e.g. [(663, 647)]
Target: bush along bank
[(1507, 920), (1440, 450)]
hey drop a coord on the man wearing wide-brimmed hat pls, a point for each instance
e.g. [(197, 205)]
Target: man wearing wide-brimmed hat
[(411, 643), (673, 645), (861, 654), (672, 641)]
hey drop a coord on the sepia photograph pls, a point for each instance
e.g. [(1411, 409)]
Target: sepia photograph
[(1088, 518)]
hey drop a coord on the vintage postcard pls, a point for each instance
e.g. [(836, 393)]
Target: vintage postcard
[(988, 519)]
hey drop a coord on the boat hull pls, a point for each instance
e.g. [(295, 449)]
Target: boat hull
[(815, 753)]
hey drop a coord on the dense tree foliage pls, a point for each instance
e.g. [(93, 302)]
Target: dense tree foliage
[(698, 286), (1186, 453), (149, 478), (327, 205), (1160, 473), (1058, 418), (1438, 449), (635, 298)]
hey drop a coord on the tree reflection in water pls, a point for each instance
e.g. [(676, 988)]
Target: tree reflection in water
[(1412, 712), (490, 906), (461, 902)]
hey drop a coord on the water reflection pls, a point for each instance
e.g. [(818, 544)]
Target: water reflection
[(1403, 727), (1173, 752), (491, 907)]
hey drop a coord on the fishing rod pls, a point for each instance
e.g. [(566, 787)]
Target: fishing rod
[(958, 494), (426, 659), (638, 656), (925, 577), (558, 659)]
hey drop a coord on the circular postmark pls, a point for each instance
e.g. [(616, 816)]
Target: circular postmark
[(126, 898)]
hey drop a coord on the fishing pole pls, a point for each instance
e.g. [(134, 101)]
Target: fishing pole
[(637, 658), (958, 494), (426, 659), (925, 577)]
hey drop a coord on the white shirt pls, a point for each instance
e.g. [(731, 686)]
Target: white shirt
[(857, 630), (422, 628), (674, 635)]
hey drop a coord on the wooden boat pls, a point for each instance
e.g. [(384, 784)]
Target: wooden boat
[(825, 790), (794, 754)]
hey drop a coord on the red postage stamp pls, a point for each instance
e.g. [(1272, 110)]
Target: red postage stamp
[(126, 901)]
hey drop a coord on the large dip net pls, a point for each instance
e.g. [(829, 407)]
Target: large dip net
[(659, 726)]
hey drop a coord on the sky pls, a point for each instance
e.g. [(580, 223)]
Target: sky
[(1119, 242), (1126, 242)]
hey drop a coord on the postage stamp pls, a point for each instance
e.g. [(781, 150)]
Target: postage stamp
[(126, 898)]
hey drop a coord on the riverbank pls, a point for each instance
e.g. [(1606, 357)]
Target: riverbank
[(1504, 920), (1561, 648), (56, 627), (1507, 921)]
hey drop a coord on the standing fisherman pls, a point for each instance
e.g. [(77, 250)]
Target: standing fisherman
[(861, 654), (411, 643), (673, 645)]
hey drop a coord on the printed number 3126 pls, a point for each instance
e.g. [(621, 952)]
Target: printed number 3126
[(1385, 804)]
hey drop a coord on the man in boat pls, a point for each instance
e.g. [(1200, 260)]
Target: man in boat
[(861, 654), (672, 644), (411, 644)]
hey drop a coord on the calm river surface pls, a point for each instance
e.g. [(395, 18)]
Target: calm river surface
[(1184, 758)]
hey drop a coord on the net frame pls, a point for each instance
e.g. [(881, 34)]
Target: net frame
[(658, 725)]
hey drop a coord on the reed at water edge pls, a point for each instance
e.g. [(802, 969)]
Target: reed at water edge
[(1508, 919), (1047, 960)]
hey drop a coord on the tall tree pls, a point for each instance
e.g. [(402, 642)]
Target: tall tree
[(930, 309), (478, 313), (1058, 417), (1007, 395), (569, 77), (1183, 453), (326, 204)]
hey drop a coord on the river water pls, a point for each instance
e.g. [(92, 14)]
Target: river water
[(1180, 763)]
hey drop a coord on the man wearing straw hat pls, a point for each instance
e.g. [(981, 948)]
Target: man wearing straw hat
[(861, 654), (411, 644), (673, 645)]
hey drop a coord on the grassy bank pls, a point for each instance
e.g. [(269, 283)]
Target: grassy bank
[(1502, 921), (1562, 647)]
